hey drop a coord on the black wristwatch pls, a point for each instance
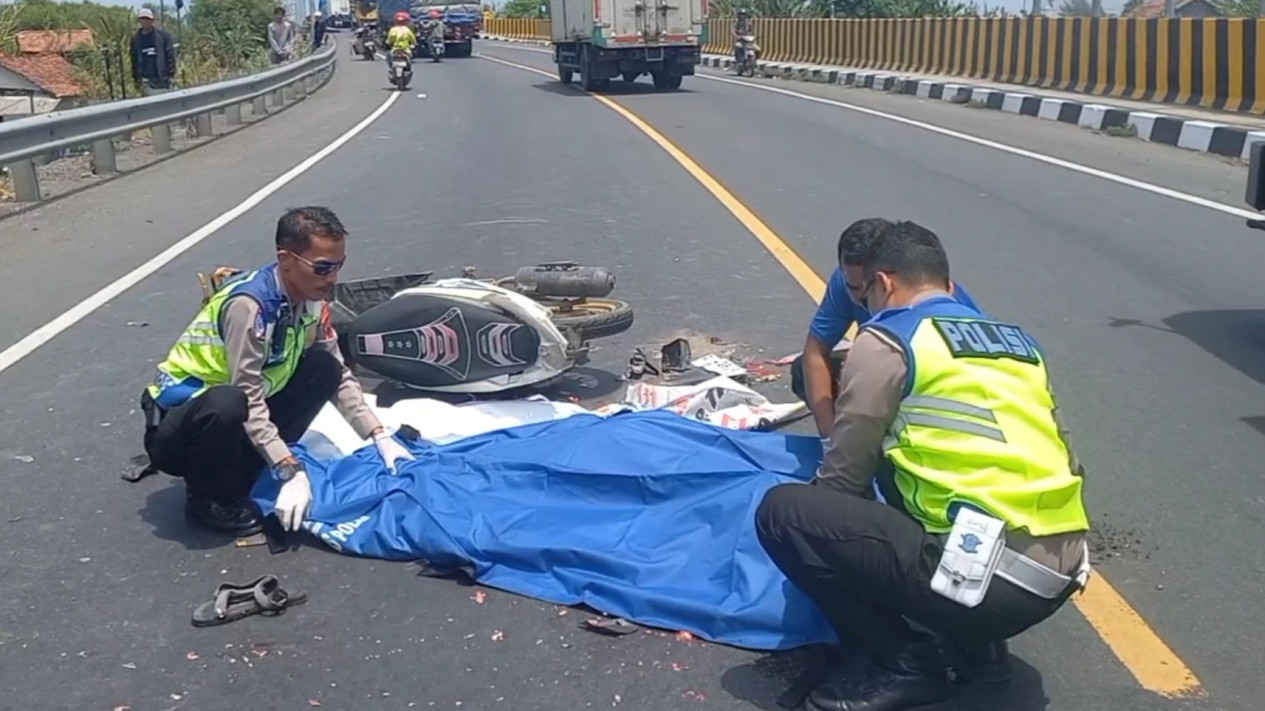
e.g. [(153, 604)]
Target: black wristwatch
[(286, 471)]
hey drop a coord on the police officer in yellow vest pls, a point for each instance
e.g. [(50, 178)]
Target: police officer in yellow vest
[(250, 373), (982, 531)]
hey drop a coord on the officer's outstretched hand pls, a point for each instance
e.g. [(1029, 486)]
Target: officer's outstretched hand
[(391, 450), (294, 501)]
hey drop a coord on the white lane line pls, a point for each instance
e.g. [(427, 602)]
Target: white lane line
[(1041, 157), (50, 330)]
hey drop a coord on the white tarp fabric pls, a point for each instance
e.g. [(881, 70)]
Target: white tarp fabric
[(436, 421), (720, 401)]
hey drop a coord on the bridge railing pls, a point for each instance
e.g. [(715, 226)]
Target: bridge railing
[(26, 140), (1213, 63)]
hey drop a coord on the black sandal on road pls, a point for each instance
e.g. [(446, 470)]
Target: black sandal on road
[(263, 596)]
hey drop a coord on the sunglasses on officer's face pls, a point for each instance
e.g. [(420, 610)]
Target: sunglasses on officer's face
[(865, 290), (320, 267)]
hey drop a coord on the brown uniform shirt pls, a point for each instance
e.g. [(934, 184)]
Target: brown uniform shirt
[(245, 354), (871, 388)]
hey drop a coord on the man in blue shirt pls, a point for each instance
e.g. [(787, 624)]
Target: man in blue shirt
[(815, 374)]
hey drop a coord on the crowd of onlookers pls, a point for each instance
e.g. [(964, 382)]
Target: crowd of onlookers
[(154, 53)]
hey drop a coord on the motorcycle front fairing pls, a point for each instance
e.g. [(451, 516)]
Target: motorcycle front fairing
[(460, 336)]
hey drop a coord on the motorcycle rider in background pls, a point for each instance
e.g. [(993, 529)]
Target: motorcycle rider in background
[(435, 26), (401, 35), (743, 27)]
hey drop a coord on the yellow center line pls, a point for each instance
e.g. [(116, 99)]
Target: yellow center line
[(1151, 661)]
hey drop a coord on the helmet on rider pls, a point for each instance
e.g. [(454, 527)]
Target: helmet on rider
[(401, 17), (434, 14), (744, 12)]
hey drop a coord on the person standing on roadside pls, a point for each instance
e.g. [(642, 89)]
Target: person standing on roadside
[(153, 55), (281, 36), (318, 30)]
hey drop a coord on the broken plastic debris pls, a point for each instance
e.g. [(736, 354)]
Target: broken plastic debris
[(24, 458), (713, 363), (313, 702), (480, 597), (129, 665), (191, 656), (683, 636), (615, 626), (497, 636)]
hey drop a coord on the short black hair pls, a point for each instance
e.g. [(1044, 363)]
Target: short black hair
[(299, 225), (855, 241), (911, 252)]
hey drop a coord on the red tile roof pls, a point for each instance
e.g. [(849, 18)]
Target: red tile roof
[(44, 41), (50, 72)]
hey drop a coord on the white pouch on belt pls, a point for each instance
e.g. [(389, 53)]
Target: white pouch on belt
[(970, 558)]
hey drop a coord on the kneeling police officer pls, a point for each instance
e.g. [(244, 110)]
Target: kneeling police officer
[(982, 534), (250, 373)]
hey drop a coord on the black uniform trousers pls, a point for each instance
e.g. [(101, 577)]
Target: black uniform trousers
[(868, 566), (799, 385), (204, 440)]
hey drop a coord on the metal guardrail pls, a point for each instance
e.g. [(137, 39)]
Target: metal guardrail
[(33, 137)]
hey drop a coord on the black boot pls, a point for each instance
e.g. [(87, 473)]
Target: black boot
[(982, 663), (911, 678), (223, 516)]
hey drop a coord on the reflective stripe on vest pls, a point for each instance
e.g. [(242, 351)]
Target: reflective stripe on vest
[(938, 412), (197, 360)]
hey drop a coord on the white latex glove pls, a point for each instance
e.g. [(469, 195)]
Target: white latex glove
[(390, 450), (294, 501)]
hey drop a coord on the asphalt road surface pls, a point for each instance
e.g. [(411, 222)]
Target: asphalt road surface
[(1146, 302)]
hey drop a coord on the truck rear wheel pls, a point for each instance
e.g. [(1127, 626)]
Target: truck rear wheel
[(587, 65), (565, 75), (665, 81)]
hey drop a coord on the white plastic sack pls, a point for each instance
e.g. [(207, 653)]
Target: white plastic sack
[(719, 401)]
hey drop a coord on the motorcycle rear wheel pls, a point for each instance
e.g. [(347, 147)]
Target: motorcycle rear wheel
[(593, 318)]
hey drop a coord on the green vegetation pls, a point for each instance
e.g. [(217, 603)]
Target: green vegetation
[(218, 38)]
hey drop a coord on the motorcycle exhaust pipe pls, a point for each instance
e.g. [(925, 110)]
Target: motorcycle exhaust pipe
[(571, 281)]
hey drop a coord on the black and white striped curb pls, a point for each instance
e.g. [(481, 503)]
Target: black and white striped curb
[(1203, 136), (515, 40)]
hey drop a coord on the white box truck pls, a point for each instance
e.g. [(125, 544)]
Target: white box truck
[(604, 39)]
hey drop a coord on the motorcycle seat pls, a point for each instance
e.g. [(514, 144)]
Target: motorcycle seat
[(429, 340)]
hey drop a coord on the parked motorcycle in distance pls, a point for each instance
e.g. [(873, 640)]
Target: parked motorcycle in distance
[(401, 69)]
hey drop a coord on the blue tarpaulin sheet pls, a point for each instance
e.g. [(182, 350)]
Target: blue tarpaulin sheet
[(647, 516)]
